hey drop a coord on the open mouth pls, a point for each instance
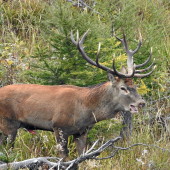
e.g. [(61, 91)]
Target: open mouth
[(133, 109)]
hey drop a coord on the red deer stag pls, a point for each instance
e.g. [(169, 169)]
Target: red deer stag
[(70, 110)]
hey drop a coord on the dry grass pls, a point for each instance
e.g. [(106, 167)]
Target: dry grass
[(21, 35)]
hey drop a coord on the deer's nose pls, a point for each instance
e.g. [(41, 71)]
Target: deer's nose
[(142, 104)]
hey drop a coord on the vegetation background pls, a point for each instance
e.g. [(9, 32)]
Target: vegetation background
[(35, 47)]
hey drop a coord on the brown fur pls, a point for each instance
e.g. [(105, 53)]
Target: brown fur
[(66, 110)]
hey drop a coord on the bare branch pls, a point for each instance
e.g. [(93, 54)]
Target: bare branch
[(71, 165), (83, 5), (92, 146)]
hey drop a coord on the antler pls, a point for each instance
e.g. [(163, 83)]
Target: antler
[(130, 54), (131, 65)]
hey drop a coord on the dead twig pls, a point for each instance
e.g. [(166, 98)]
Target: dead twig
[(92, 153)]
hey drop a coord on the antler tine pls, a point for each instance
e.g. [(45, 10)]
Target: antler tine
[(129, 55), (83, 38), (144, 75), (125, 42), (147, 61), (118, 38), (146, 69), (113, 72), (139, 45), (79, 45), (72, 39), (77, 37), (122, 40), (97, 57)]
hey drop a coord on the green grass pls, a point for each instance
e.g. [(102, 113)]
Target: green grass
[(138, 157), (26, 26)]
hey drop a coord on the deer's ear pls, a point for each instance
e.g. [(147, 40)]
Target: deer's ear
[(110, 77), (123, 70)]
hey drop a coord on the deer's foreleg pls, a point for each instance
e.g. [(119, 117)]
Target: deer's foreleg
[(62, 140)]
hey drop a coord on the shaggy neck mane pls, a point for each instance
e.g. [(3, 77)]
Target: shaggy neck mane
[(95, 93)]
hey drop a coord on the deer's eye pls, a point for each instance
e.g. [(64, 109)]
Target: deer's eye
[(124, 89)]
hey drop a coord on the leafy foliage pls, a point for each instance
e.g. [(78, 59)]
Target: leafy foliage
[(35, 47), (63, 64)]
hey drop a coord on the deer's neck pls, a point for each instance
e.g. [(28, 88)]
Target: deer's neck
[(102, 101)]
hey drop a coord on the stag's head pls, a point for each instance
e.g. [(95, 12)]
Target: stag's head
[(120, 82)]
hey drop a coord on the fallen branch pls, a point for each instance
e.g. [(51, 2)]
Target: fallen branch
[(29, 163), (92, 153), (81, 4)]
